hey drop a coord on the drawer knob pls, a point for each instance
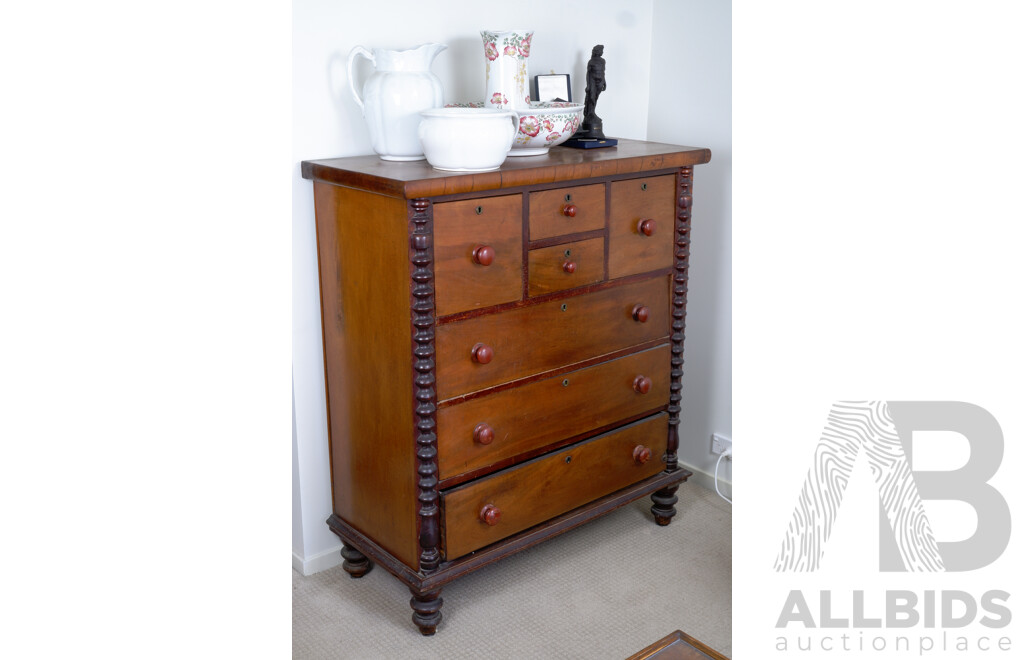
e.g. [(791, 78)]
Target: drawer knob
[(642, 384), (641, 454), (482, 353), (569, 210), (490, 514), (646, 226), (483, 434), (569, 267), (641, 313), (483, 255)]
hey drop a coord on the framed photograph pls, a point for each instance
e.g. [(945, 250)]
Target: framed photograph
[(553, 87)]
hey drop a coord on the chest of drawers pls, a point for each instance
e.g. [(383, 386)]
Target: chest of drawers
[(503, 351)]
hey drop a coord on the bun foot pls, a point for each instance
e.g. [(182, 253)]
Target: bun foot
[(356, 564), (426, 610), (663, 508)]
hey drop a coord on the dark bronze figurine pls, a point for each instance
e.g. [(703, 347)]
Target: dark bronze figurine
[(592, 127)]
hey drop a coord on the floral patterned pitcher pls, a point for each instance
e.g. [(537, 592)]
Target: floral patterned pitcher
[(508, 76)]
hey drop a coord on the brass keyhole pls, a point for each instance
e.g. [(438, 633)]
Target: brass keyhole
[(568, 252), (564, 307), (479, 210), (643, 186), (568, 459), (568, 198), (565, 383)]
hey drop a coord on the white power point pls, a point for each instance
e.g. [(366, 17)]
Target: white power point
[(720, 444)]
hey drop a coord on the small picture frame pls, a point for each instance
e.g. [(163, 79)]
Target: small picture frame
[(552, 87)]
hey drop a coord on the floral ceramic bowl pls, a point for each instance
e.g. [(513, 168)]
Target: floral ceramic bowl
[(544, 125)]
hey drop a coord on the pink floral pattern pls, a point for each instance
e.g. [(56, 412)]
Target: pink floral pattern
[(499, 99), (553, 136), (524, 46), (529, 126), (511, 51), (491, 51)]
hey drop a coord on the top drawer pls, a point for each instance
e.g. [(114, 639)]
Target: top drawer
[(566, 211), (478, 253), (642, 225)]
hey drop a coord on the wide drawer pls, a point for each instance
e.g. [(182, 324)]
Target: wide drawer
[(566, 266), (641, 225), (479, 352), (566, 211), (478, 253), (482, 431), (490, 509)]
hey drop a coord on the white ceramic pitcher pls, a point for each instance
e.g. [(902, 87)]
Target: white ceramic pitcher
[(400, 87)]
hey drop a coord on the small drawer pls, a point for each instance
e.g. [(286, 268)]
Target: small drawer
[(490, 509), (478, 253), (642, 224), (566, 266), (566, 211), (482, 431), (476, 353)]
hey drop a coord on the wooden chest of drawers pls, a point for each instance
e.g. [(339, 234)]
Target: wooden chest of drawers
[(503, 351)]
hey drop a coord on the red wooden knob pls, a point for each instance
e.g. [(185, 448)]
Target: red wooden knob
[(483, 255), (482, 353), (569, 210), (641, 454), (646, 227), (641, 313), (483, 434), (490, 514), (642, 384), (569, 267)]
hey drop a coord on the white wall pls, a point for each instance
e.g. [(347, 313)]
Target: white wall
[(327, 123), (691, 103)]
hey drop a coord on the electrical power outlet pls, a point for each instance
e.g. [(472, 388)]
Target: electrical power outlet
[(720, 443)]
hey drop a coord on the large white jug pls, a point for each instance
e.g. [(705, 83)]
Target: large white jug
[(394, 95)]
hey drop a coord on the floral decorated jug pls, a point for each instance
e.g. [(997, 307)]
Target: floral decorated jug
[(400, 87), (508, 76)]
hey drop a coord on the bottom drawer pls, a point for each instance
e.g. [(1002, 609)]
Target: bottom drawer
[(489, 509)]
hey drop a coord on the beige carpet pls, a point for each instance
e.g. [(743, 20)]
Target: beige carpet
[(604, 590)]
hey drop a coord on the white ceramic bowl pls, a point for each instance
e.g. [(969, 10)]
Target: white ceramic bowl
[(467, 139), (544, 125)]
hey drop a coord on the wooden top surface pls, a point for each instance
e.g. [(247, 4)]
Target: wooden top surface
[(419, 179)]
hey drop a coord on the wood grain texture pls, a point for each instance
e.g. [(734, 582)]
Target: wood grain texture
[(367, 340), (630, 251), (545, 411), (538, 338), (535, 491), (546, 211), (460, 228), (418, 179), (547, 266)]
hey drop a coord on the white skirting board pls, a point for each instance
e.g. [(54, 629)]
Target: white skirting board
[(318, 562), (706, 480)]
